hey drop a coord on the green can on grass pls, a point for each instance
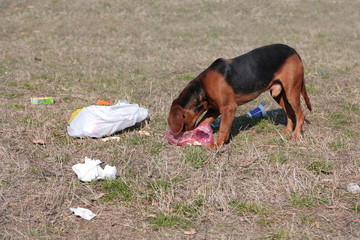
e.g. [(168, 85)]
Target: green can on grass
[(45, 100)]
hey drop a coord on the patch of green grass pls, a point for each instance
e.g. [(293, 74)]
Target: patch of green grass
[(245, 138), (277, 157), (248, 170), (338, 119), (351, 133), (187, 77), (42, 76), (265, 222), (11, 94), (4, 184), (196, 156), (282, 234), (3, 69), (307, 219), (34, 234), (138, 70), (137, 140), (155, 147), (188, 210), (264, 126), (32, 122), (324, 167), (303, 200), (311, 89), (159, 125), (15, 106), (69, 99), (320, 35), (160, 186), (35, 170), (164, 220), (55, 229), (352, 108), (116, 189), (337, 145), (356, 208), (247, 207), (226, 227), (62, 158), (27, 85)]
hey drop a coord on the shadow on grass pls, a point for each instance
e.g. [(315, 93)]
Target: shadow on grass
[(243, 122)]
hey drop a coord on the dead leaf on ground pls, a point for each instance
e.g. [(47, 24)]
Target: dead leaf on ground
[(98, 196), (191, 231), (39, 141), (331, 207)]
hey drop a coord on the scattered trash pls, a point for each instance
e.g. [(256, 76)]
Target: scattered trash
[(91, 170), (201, 135), (83, 212), (353, 188), (98, 121), (358, 220), (143, 133), (102, 102), (45, 100), (38, 141), (258, 112), (110, 138), (74, 114), (216, 123), (322, 73)]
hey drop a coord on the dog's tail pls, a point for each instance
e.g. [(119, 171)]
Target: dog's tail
[(306, 97)]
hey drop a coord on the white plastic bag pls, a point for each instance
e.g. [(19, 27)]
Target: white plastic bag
[(98, 121)]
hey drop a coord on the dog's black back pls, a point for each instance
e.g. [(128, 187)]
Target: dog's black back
[(253, 71)]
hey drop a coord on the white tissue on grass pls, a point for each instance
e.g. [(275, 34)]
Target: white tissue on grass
[(91, 170), (353, 188), (83, 212)]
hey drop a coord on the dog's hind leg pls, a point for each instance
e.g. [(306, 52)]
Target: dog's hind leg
[(294, 100), (291, 77), (280, 98)]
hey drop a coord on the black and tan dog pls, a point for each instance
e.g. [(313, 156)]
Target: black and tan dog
[(228, 83)]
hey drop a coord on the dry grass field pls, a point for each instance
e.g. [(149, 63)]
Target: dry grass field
[(260, 186)]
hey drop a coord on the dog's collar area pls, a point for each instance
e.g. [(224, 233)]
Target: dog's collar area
[(199, 108)]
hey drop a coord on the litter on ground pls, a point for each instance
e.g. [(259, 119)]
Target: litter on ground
[(83, 212), (91, 170), (98, 121)]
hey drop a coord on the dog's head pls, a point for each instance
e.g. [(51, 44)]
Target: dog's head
[(187, 108)]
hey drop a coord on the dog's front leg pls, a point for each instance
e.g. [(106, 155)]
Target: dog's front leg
[(210, 116), (227, 118)]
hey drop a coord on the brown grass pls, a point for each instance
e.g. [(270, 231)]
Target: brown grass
[(261, 186)]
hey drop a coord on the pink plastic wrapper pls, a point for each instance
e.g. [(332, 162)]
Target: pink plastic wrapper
[(202, 135)]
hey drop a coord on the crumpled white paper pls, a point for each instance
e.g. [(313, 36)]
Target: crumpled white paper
[(353, 188), (91, 170), (83, 212)]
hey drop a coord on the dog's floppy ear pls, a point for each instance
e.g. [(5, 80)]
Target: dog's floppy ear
[(176, 119)]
